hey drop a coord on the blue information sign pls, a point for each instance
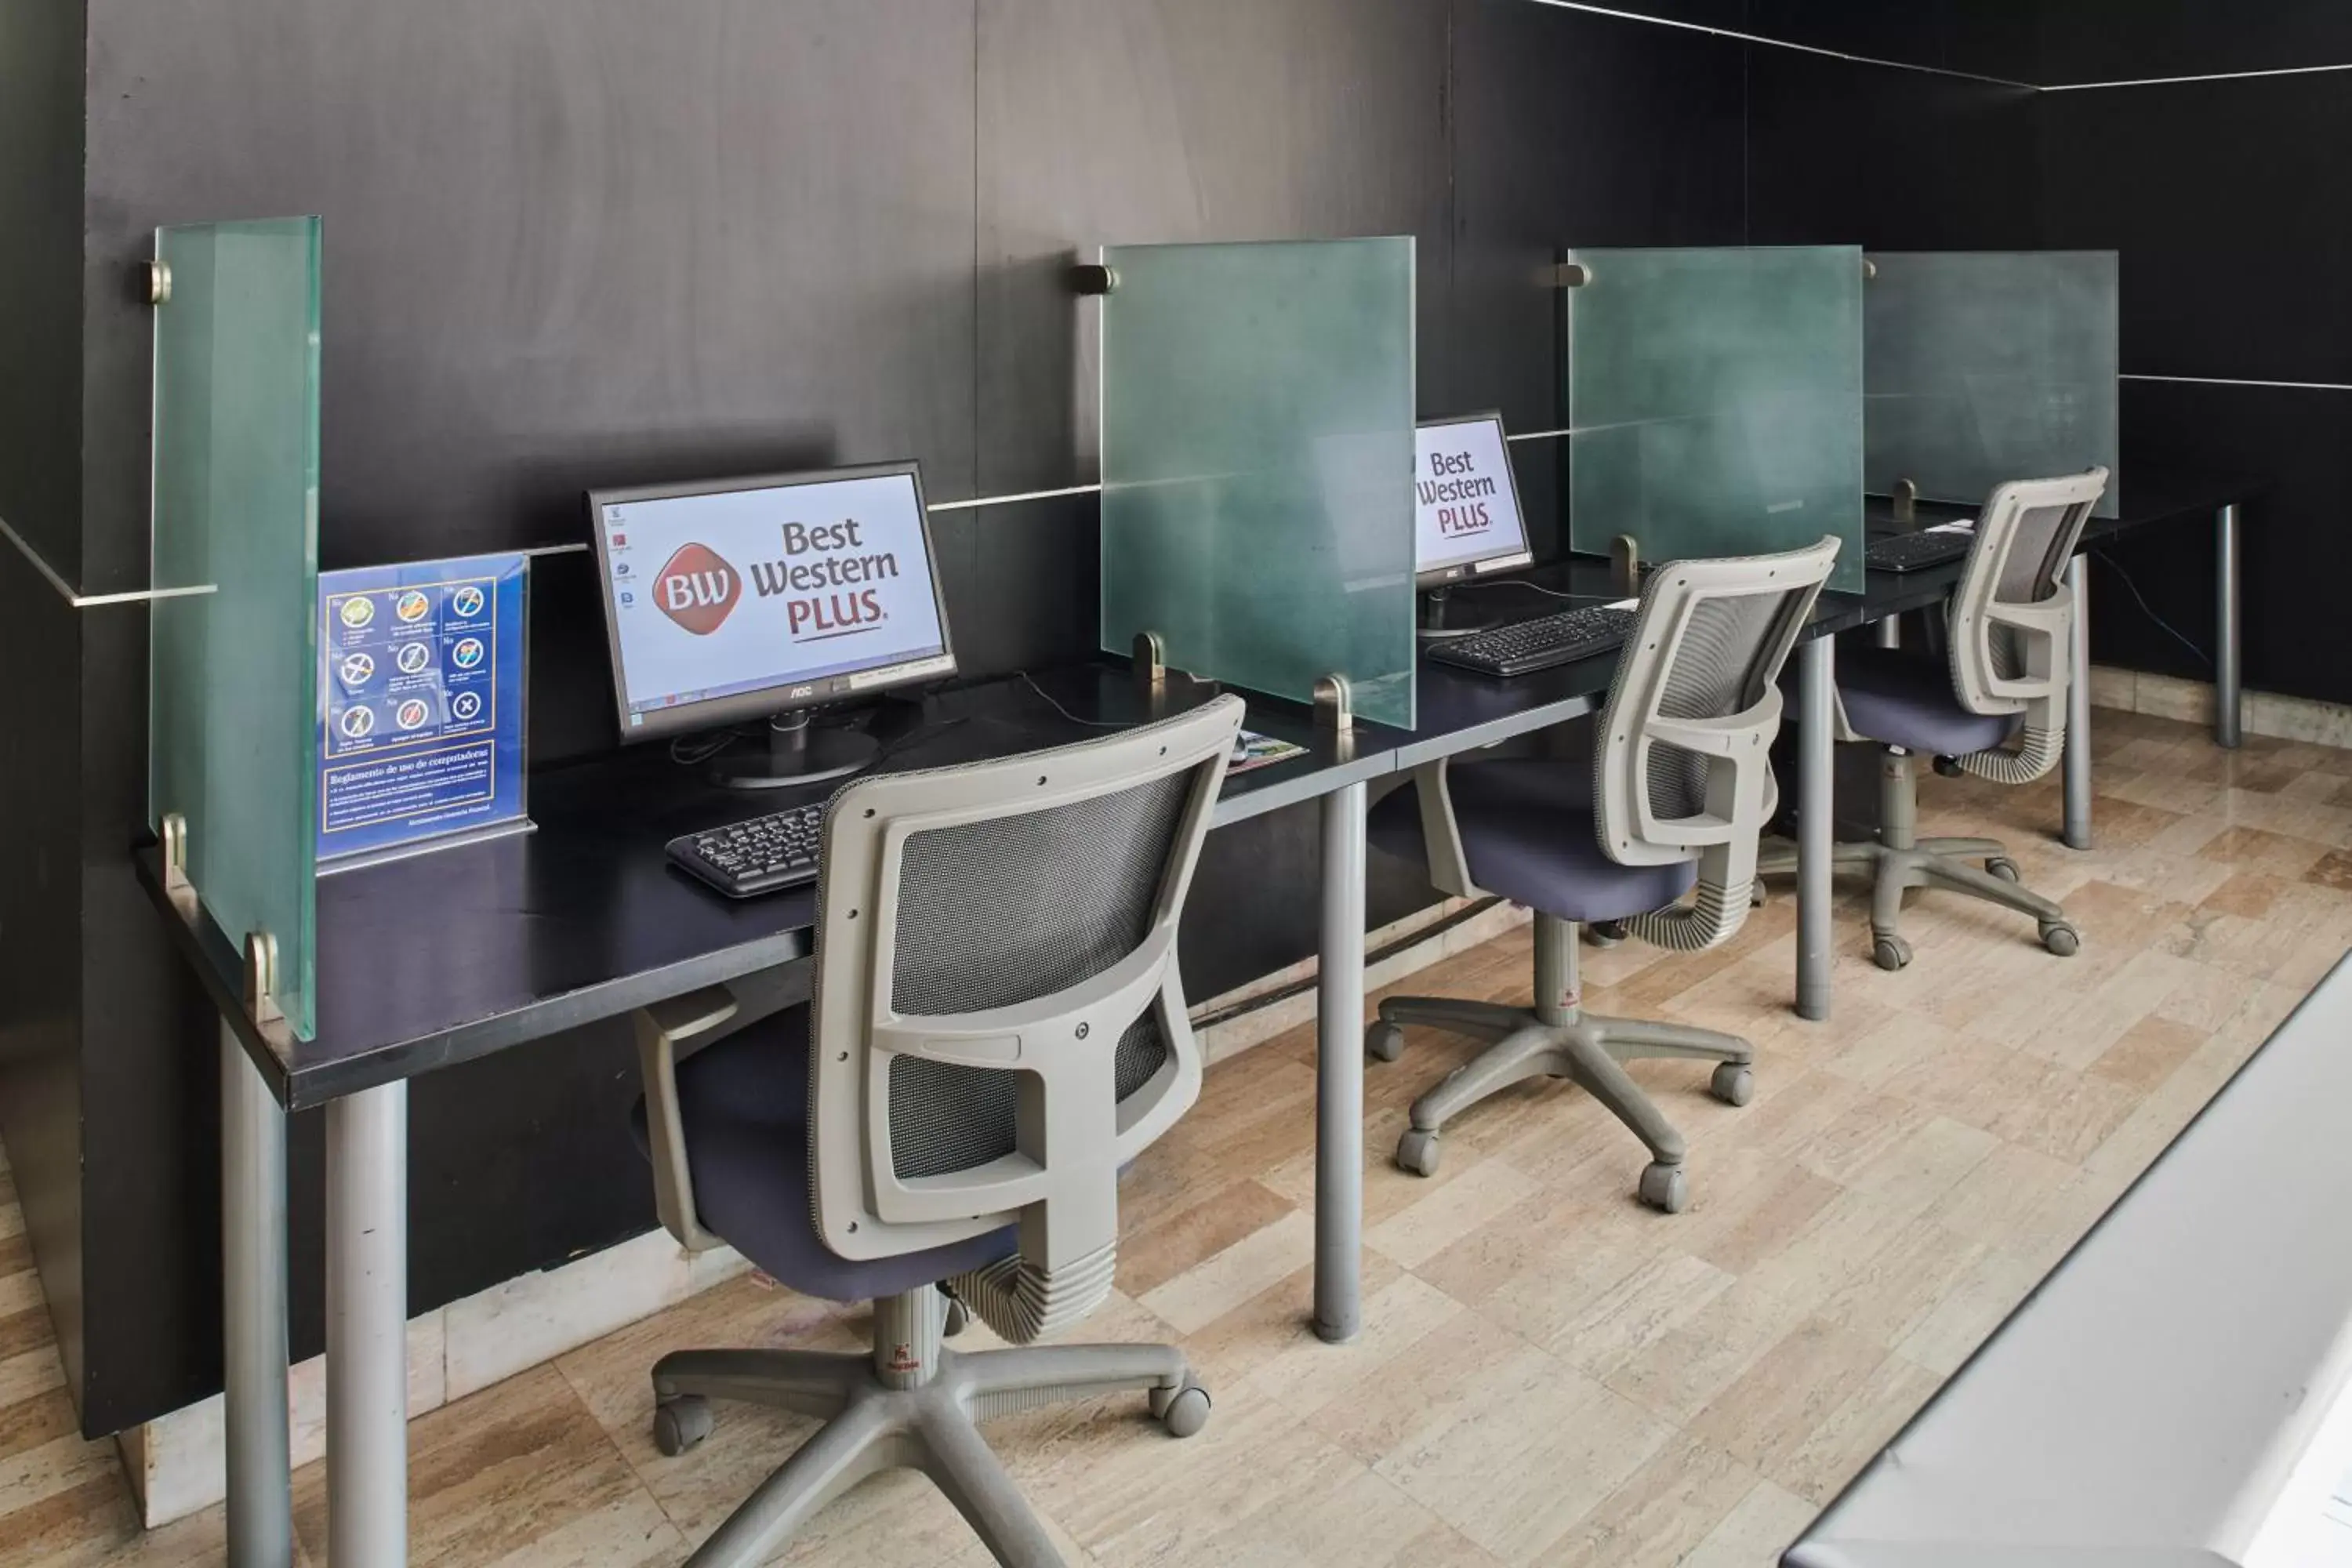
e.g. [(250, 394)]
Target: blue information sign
[(422, 689)]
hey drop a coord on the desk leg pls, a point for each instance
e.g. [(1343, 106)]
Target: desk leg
[(2229, 692), (1339, 1073), (2078, 712), (253, 1315), (367, 1329), (1816, 809)]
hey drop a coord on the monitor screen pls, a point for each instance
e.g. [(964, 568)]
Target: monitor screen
[(1466, 502), (730, 600)]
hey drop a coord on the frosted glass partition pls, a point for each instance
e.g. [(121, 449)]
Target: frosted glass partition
[(1715, 402), (233, 720), (1257, 452), (1985, 366)]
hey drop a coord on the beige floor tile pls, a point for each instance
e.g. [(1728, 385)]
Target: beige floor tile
[(1994, 1199), (1216, 1286), (1449, 1210), (1689, 1366), (1755, 1533), (1152, 1256), (1844, 1441), (1971, 1307), (1765, 1417), (1663, 1511)]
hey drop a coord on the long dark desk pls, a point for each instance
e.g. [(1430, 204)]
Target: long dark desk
[(428, 963), (441, 959)]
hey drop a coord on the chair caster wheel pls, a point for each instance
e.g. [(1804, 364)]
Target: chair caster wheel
[(1384, 1041), (1417, 1151), (1756, 895), (1666, 1188), (2062, 939), (681, 1422), (2004, 868), (1734, 1083), (1890, 952), (1183, 1411), (1605, 934)]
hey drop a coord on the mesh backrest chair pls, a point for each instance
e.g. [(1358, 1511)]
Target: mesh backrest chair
[(1671, 804), (2010, 638), (998, 1027)]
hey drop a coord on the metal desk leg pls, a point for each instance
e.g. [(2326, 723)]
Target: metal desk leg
[(1816, 808), (367, 1329), (2229, 692), (1339, 1073), (2078, 712), (253, 1314), (1890, 632)]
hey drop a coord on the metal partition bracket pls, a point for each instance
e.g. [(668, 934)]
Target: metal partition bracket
[(1094, 279), (1335, 705), (174, 834), (1906, 500), (159, 282), (1625, 564), (261, 979), (1571, 275), (1150, 660), (1869, 271)]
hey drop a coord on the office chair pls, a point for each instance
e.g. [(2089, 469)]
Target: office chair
[(1679, 787), (998, 1028), (2011, 638)]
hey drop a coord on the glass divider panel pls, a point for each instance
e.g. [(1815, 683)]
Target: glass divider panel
[(1257, 412), (1715, 402), (1987, 366), (232, 714)]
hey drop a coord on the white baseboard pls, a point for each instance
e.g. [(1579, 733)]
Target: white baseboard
[(176, 1463), (2302, 719)]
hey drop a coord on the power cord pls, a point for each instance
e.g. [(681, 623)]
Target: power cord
[(1031, 682), (1530, 587), (2176, 634)]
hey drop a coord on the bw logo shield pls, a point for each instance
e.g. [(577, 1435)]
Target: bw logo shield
[(697, 590)]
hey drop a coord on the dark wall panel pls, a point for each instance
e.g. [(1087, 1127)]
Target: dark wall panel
[(567, 241), (40, 276), (2226, 201), (40, 652), (1147, 122), (1888, 158), (2120, 40), (1572, 129), (1984, 37), (2296, 553)]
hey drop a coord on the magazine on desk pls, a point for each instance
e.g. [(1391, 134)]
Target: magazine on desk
[(1253, 750)]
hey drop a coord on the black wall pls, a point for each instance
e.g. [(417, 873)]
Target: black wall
[(571, 242), (2227, 200)]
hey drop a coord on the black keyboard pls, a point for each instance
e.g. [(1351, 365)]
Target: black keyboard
[(1539, 644), (748, 858), (1916, 551)]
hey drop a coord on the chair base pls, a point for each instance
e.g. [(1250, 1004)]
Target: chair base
[(1899, 862), (1586, 1050), (910, 1404)]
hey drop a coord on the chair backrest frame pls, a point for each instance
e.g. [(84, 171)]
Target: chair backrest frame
[(2040, 626), (1062, 1183)]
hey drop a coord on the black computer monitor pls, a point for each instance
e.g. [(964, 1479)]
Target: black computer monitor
[(1466, 518), (763, 598)]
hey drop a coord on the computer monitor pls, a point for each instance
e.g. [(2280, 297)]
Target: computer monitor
[(1466, 518), (763, 598)]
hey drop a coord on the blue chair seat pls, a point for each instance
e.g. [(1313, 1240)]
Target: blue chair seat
[(1528, 834), (744, 1103), (1904, 699)]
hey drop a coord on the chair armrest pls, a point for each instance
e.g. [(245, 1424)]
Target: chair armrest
[(668, 1031)]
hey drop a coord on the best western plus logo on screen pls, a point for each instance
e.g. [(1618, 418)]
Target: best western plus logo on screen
[(816, 578), (697, 590), (742, 590)]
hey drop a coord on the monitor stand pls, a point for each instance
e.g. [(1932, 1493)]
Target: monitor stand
[(798, 753), (1432, 626)]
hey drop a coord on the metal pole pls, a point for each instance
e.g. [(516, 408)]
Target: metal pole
[(2078, 712), (1339, 1073), (1890, 632), (253, 1314), (1816, 807), (367, 1329), (2229, 692)]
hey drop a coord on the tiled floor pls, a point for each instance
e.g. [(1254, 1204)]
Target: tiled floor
[(1551, 1373)]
